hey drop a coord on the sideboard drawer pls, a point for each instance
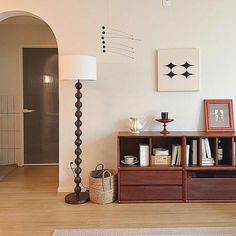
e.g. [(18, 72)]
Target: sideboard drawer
[(212, 189), (150, 193), (150, 177)]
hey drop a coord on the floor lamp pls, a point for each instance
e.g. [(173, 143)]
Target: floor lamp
[(76, 67)]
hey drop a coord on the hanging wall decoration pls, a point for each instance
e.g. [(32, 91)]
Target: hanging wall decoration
[(178, 69), (117, 41), (114, 41)]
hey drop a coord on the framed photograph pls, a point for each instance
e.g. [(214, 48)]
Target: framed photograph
[(219, 115), (178, 69)]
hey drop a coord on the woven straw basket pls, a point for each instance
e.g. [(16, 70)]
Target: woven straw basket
[(103, 185)]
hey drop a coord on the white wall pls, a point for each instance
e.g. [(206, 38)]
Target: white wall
[(13, 38), (127, 87)]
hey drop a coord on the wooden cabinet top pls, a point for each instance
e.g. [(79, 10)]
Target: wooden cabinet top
[(196, 134)]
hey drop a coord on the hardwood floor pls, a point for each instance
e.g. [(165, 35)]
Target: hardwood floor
[(30, 205)]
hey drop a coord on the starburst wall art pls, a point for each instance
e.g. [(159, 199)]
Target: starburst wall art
[(178, 69)]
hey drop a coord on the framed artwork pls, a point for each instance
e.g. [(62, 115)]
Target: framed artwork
[(178, 69), (219, 115)]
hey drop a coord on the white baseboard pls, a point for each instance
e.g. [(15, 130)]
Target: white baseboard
[(42, 164), (65, 189)]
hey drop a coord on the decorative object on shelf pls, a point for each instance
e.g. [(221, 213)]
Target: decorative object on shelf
[(136, 125), (178, 69), (161, 157), (219, 115), (164, 115), (164, 121), (161, 160), (103, 185), (130, 160), (144, 154), (130, 163), (76, 67), (220, 151)]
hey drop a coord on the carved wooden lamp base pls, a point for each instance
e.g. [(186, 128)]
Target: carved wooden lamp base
[(73, 198), (78, 197)]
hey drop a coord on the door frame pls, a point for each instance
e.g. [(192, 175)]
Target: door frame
[(21, 103)]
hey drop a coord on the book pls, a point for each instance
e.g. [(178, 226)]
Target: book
[(144, 154), (203, 149), (208, 162), (160, 151), (234, 154), (207, 147), (194, 151), (178, 162), (187, 154), (174, 154), (208, 159)]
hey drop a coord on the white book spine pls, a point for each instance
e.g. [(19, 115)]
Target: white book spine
[(187, 154), (203, 149), (234, 154), (208, 148), (144, 155)]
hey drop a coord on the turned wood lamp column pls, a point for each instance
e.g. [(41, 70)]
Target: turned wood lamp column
[(76, 67)]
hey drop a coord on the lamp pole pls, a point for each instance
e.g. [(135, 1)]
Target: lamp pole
[(78, 197)]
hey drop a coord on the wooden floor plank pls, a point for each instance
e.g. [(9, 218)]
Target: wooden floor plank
[(30, 205)]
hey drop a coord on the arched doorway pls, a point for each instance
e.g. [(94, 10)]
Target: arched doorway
[(29, 120)]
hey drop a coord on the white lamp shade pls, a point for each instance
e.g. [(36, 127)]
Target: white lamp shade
[(76, 67)]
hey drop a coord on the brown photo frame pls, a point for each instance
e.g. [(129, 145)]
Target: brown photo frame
[(219, 115)]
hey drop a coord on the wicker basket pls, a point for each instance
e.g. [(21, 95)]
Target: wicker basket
[(103, 185)]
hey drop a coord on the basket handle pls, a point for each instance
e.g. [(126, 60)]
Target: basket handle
[(103, 176), (96, 168)]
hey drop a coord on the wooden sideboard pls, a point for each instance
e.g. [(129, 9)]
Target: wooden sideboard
[(184, 183)]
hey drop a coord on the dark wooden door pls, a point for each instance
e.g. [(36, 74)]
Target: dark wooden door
[(41, 108)]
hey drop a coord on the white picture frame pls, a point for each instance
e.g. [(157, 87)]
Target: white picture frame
[(178, 69)]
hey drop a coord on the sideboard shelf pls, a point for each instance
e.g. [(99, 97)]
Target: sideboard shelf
[(180, 183), (211, 168), (123, 167)]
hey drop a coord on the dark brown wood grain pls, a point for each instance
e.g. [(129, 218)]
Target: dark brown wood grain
[(176, 183), (146, 193), (150, 177), (193, 134), (211, 188)]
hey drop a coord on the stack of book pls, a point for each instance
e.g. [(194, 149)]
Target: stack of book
[(161, 156), (192, 152), (207, 159), (176, 155)]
